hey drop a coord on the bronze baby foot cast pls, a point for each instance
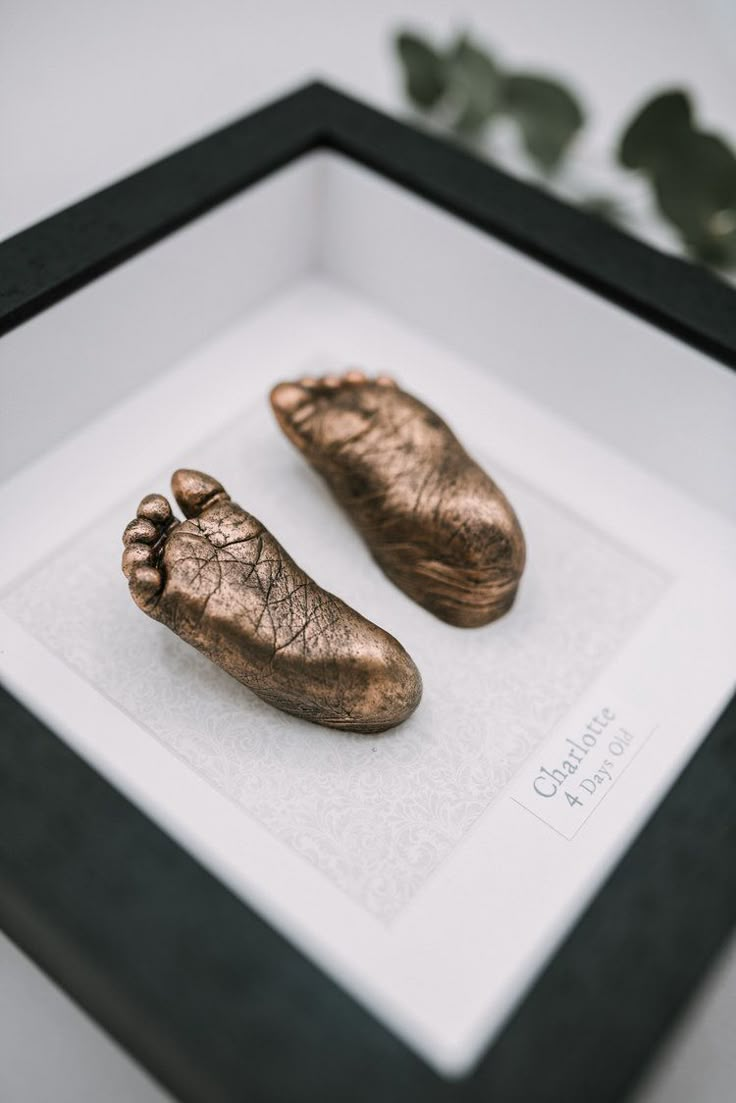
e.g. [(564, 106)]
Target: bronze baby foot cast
[(226, 586), (436, 524)]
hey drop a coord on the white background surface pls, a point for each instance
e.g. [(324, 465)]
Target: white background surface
[(90, 91)]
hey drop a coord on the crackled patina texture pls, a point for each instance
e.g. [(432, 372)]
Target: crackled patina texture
[(435, 522), (223, 583)]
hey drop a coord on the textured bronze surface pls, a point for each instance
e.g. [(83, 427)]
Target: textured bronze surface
[(226, 586), (434, 521)]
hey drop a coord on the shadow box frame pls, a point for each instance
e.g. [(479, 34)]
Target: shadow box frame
[(111, 907)]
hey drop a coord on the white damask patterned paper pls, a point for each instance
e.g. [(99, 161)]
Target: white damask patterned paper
[(376, 814)]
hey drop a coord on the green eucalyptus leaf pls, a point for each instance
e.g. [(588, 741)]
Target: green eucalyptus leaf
[(425, 75), (548, 115), (695, 189), (475, 86), (659, 126), (692, 174)]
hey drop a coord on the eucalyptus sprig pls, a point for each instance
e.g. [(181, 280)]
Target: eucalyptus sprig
[(466, 90), (690, 172)]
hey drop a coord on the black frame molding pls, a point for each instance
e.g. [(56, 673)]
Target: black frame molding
[(201, 990), (64, 252)]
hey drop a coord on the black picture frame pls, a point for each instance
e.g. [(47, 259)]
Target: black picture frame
[(203, 992)]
